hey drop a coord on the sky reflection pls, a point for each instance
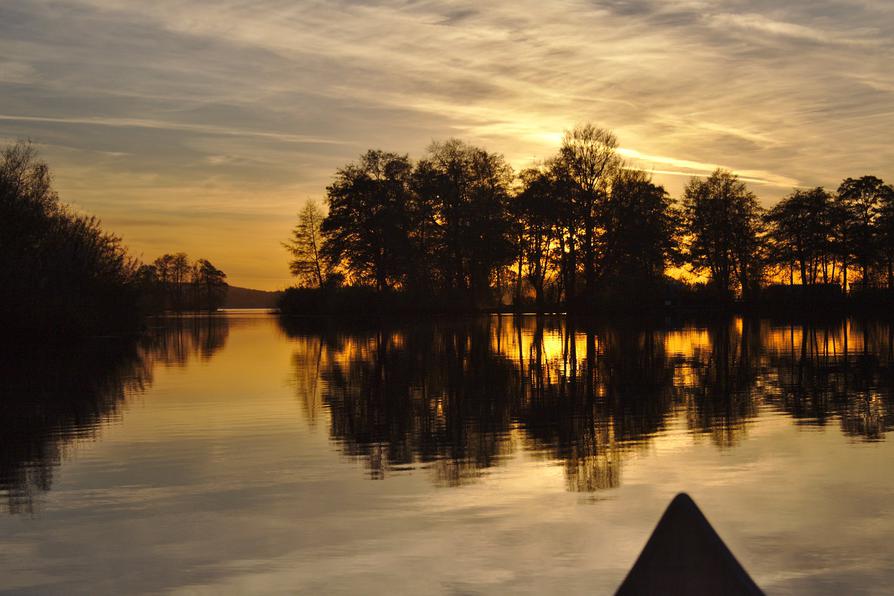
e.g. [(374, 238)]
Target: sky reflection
[(242, 462)]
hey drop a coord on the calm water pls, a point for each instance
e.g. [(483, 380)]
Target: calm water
[(490, 455)]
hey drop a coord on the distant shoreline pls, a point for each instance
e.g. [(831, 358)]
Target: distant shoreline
[(774, 300)]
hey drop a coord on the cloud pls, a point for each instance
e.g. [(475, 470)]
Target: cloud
[(173, 126), (762, 24), (268, 98), (18, 73), (686, 167)]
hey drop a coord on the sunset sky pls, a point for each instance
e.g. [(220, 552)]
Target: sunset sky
[(203, 126)]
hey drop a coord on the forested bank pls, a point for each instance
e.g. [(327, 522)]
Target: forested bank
[(62, 275), (174, 283), (459, 230)]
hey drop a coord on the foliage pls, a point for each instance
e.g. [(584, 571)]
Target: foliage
[(366, 229), (538, 225), (458, 230), (59, 271), (640, 230), (722, 224), (885, 231), (588, 159), (468, 190), (208, 285), (173, 283), (802, 232), (861, 200)]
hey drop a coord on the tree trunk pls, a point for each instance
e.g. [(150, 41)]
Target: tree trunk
[(890, 273), (844, 275), (538, 290), (571, 273), (589, 264)]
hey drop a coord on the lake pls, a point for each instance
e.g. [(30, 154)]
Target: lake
[(500, 454)]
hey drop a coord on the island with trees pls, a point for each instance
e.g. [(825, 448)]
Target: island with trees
[(459, 231)]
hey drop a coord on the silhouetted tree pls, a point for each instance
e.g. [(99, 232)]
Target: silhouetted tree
[(641, 228), (58, 270), (569, 229), (426, 237), (209, 284), (722, 224), (538, 223), (468, 189), (589, 158), (885, 233), (449, 230), (180, 273), (171, 271), (163, 267), (801, 230), (366, 229), (862, 199), (306, 247), (173, 283)]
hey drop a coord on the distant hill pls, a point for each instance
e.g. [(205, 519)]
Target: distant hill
[(247, 298)]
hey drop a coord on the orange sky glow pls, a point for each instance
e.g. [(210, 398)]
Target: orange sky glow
[(204, 126)]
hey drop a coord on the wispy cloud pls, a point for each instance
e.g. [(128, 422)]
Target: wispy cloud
[(685, 167), (762, 24), (257, 103), (174, 126), (18, 73)]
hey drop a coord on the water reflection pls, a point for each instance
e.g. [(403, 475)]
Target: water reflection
[(843, 373), (457, 397), (54, 396), (177, 340), (438, 395)]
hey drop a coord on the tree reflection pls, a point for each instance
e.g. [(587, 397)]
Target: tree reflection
[(432, 394), (54, 396), (457, 397), (175, 340), (720, 397), (586, 406), (841, 370)]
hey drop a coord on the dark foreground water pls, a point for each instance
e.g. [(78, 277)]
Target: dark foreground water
[(493, 455)]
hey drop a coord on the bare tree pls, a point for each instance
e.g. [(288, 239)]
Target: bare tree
[(308, 263), (590, 159)]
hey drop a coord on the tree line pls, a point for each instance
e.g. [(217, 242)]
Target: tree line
[(61, 273), (173, 282), (582, 228)]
